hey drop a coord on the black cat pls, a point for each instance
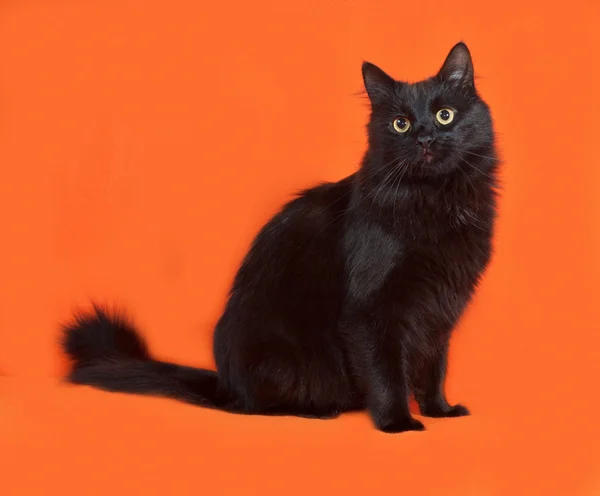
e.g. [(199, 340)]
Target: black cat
[(348, 296)]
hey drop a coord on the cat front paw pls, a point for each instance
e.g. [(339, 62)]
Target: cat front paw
[(400, 425), (449, 411)]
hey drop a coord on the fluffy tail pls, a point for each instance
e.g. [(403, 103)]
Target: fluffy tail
[(108, 353)]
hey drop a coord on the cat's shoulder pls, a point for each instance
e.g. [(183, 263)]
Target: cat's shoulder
[(320, 202), (327, 192)]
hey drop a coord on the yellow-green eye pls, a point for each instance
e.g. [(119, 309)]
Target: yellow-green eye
[(445, 116), (401, 125)]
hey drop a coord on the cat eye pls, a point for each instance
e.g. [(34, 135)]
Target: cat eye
[(401, 125), (445, 116)]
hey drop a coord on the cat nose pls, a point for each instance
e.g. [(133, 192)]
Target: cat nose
[(425, 141)]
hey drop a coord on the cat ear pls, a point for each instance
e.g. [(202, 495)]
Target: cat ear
[(378, 84), (458, 65)]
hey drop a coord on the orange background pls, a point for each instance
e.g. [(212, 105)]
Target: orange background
[(144, 143)]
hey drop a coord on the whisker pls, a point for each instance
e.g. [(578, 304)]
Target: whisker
[(481, 156), (362, 200), (371, 174), (396, 193), (392, 172), (382, 186), (477, 169), (400, 170)]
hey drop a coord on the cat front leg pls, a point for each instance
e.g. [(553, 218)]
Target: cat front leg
[(429, 385), (378, 359), (372, 326), (387, 394)]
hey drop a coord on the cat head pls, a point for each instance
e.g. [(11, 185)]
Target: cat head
[(432, 127)]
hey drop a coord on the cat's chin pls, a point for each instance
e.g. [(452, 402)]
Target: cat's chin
[(432, 165)]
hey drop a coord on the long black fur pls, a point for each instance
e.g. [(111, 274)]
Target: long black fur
[(108, 353), (348, 296)]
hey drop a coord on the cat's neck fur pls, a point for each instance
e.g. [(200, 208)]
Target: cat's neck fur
[(429, 206)]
